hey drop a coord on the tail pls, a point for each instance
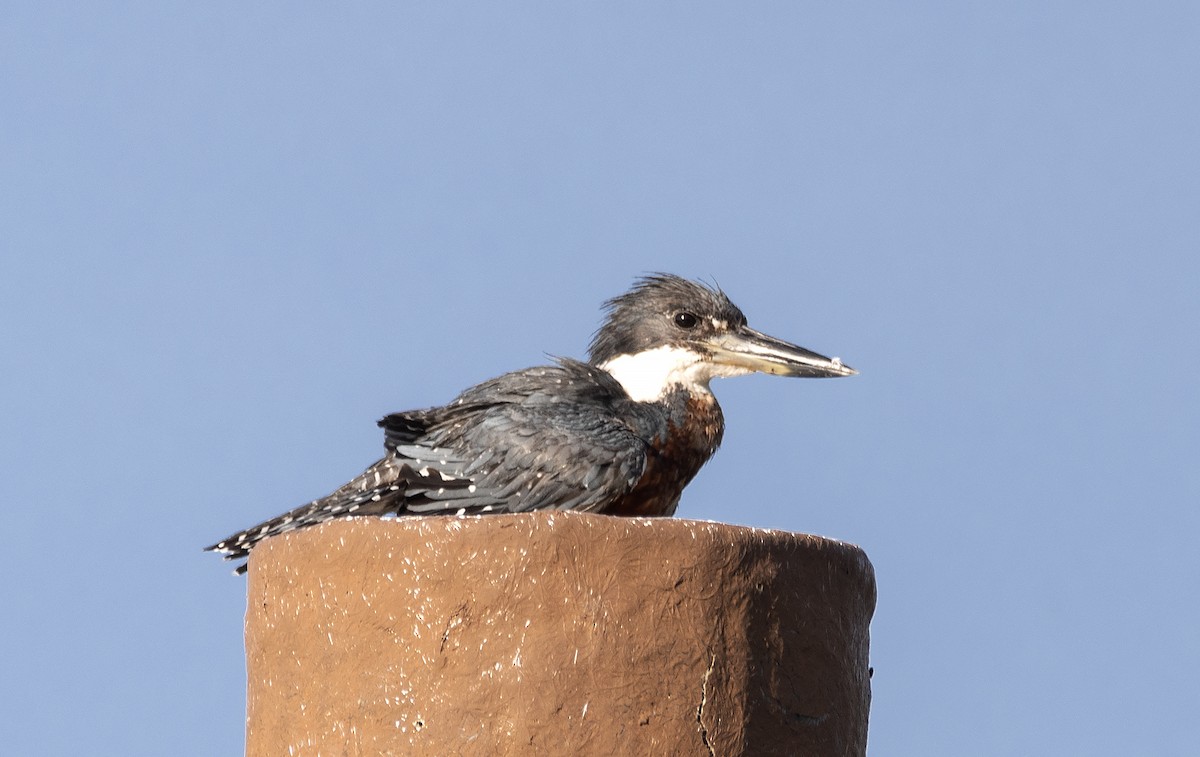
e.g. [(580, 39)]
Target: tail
[(389, 487), (379, 501)]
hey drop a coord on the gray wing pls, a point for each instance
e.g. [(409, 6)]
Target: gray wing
[(519, 459), (558, 437)]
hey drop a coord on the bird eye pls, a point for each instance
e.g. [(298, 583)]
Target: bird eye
[(686, 320)]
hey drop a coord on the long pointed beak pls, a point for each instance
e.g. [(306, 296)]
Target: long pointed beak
[(747, 348)]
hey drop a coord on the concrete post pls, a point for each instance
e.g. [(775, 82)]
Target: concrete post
[(556, 633)]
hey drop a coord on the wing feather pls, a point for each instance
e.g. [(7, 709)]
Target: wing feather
[(564, 436)]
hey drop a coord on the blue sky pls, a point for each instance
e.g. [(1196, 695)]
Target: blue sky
[(233, 235)]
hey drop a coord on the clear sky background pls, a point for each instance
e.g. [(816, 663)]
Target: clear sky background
[(234, 235)]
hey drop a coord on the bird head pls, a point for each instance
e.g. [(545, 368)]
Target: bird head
[(668, 331)]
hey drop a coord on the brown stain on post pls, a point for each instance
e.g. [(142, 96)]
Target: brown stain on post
[(556, 633)]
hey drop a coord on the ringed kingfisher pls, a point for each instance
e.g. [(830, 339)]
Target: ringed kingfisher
[(621, 434)]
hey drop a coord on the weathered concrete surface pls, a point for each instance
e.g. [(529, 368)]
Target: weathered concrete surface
[(556, 633)]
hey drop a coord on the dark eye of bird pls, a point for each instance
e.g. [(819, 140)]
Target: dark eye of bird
[(686, 320)]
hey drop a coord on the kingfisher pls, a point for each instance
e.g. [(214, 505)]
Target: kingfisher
[(621, 434)]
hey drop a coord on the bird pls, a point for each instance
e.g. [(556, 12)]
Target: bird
[(621, 434)]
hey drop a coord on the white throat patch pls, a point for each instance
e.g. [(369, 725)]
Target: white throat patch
[(648, 376)]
